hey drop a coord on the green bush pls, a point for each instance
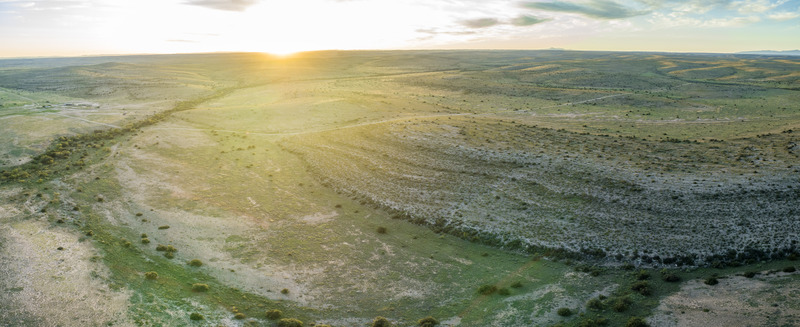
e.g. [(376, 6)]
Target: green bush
[(750, 274), (427, 322), (789, 269), (382, 230), (152, 275), (285, 291), (144, 235), (196, 316), (642, 275), (195, 263), (670, 278), (636, 322), (595, 304), (503, 291), (274, 314), (711, 281), (642, 287), (198, 287), (145, 241), (516, 284), (621, 304), (596, 322), (161, 247), (564, 312), (487, 289), (381, 322), (290, 322), (163, 227), (239, 315)]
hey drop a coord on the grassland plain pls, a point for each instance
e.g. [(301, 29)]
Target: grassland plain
[(285, 178)]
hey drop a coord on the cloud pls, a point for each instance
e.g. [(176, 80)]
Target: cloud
[(602, 9), (786, 15), (756, 6), (480, 22), (526, 20), (229, 5)]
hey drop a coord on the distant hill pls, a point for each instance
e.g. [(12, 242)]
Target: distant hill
[(772, 52)]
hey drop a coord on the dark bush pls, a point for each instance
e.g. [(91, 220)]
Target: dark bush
[(196, 316), (636, 322), (516, 284), (670, 277), (274, 314), (381, 322), (503, 291), (163, 227), (285, 291), (789, 269), (750, 274), (381, 230), (427, 322), (642, 275), (642, 287), (487, 289), (564, 312), (595, 304), (596, 322), (198, 287), (711, 281), (290, 322)]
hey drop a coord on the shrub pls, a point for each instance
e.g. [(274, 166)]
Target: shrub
[(138, 214), (487, 289), (711, 281), (163, 227), (145, 241), (670, 278), (152, 275), (642, 275), (643, 287), (789, 269), (381, 230), (144, 235), (239, 315), (516, 284), (564, 312), (636, 322), (195, 263), (750, 274), (427, 322), (285, 291), (198, 287), (290, 322), (621, 304), (169, 255), (196, 316), (600, 321), (594, 304), (381, 322), (503, 291), (274, 314), (161, 247)]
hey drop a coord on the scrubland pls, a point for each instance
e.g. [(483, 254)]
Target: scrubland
[(483, 188)]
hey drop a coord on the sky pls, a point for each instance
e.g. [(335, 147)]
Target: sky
[(91, 27)]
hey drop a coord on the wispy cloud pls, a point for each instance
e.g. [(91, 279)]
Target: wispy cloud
[(526, 20), (602, 9), (480, 22), (786, 15), (229, 5)]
